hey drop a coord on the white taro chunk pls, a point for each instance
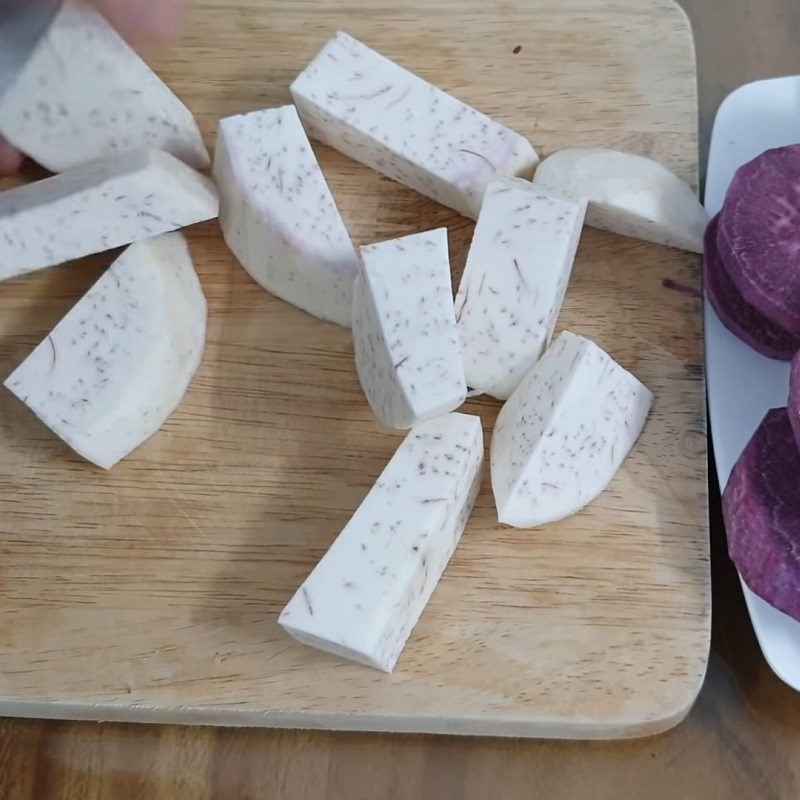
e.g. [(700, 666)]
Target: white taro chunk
[(112, 371), (378, 113), (404, 330), (84, 94), (99, 206), (368, 591), (564, 432), (278, 215), (630, 195), (514, 282)]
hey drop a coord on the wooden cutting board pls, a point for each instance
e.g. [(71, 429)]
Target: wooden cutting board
[(152, 592)]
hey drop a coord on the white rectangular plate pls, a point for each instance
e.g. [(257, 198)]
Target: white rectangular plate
[(754, 118)]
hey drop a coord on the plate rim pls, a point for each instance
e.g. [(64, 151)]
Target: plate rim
[(734, 97)]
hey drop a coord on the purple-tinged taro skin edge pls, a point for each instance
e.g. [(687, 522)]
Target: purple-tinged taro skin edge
[(761, 508), (736, 314)]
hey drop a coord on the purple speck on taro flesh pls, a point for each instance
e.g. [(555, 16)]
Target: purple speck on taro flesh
[(382, 115), (73, 103), (736, 314), (761, 508), (759, 235), (415, 544), (278, 215)]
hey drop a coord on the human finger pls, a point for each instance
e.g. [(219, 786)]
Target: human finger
[(10, 159)]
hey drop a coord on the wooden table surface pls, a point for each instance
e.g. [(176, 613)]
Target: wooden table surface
[(742, 738)]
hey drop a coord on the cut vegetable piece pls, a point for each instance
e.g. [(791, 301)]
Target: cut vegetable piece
[(761, 508), (563, 434), (84, 95), (759, 235), (404, 330), (99, 206), (630, 195), (368, 591), (514, 282), (278, 216), (735, 313), (112, 371), (378, 113)]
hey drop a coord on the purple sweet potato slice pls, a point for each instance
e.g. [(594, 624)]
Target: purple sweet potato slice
[(761, 508), (735, 313), (793, 405), (759, 235)]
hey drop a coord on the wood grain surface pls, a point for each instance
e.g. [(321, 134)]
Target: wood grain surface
[(151, 593), (741, 739)]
